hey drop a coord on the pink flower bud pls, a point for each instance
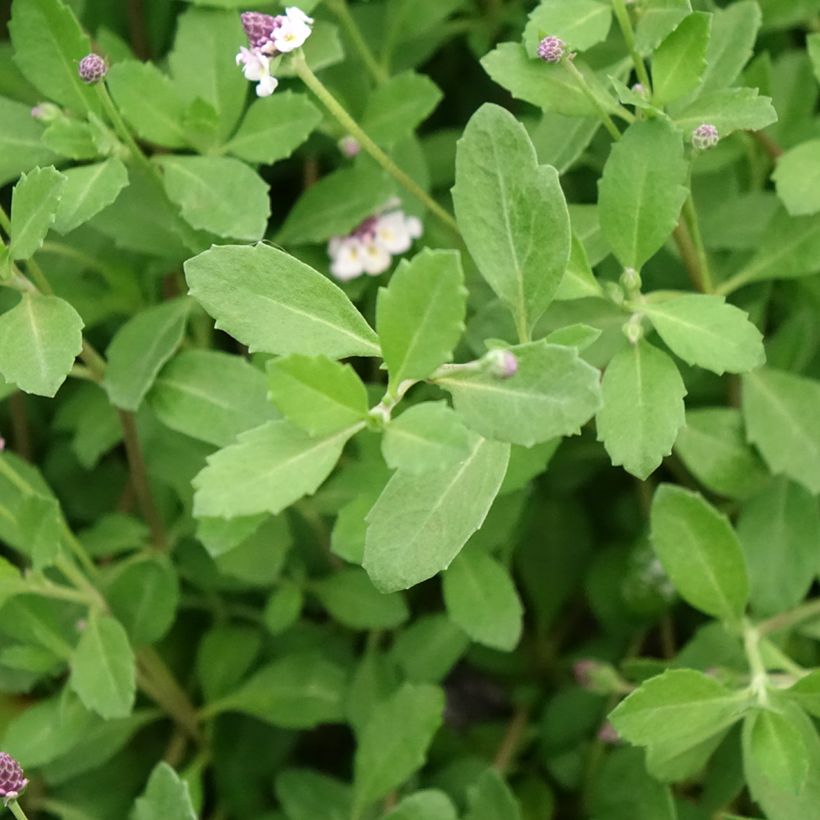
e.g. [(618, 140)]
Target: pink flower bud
[(92, 68), (608, 734), (552, 49), (705, 136), (259, 27), (349, 146), (12, 780), (503, 364), (46, 112)]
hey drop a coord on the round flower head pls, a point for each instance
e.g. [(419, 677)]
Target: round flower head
[(705, 136), (259, 27), (503, 364), (12, 780), (92, 68), (552, 49), (349, 146)]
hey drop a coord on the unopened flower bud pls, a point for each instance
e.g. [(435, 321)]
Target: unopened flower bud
[(631, 280), (705, 137), (92, 68), (633, 329), (349, 146), (12, 780), (639, 90), (46, 112), (599, 677), (552, 49), (608, 734), (502, 364), (2, 444)]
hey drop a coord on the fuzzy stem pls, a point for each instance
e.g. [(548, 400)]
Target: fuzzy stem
[(16, 810), (622, 15), (608, 122), (794, 617), (342, 12), (354, 129)]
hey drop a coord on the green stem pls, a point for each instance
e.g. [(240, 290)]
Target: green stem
[(741, 278), (354, 129), (622, 15), (16, 810), (760, 678), (608, 122), (691, 219), (794, 617), (163, 687), (342, 11)]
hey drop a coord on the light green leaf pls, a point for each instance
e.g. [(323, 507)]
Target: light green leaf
[(797, 177), (806, 693), (553, 393), (491, 799), (429, 648), (266, 470), (305, 794), (642, 190), (395, 108), (352, 600), (273, 303), (559, 140), (579, 336), (731, 44), (512, 214), (658, 18), (139, 350), (420, 315), (425, 438), (21, 141), (88, 190), (781, 421), (420, 523), (813, 48), (48, 44), (705, 331), (429, 804), (39, 339), (700, 552), (729, 110), (481, 598), (34, 203), (680, 61), (776, 746), (579, 281), (165, 798), (218, 194), (211, 396), (274, 128), (642, 408), (394, 742), (102, 668), (581, 24)]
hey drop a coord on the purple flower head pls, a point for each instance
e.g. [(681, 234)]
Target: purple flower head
[(503, 364), (12, 780), (349, 146), (705, 136), (259, 27), (92, 68), (552, 49), (608, 734)]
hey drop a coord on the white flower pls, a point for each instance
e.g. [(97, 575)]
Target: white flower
[(395, 232), (256, 68), (347, 256), (297, 15), (375, 258), (291, 34)]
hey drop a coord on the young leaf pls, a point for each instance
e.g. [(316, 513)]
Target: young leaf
[(395, 108), (350, 597), (553, 393), (266, 470), (642, 190), (318, 394), (512, 214), (680, 60), (420, 523), (283, 608), (224, 656), (658, 18), (39, 340), (481, 598), (779, 411), (420, 315), (797, 177), (706, 332), (394, 742), (274, 303), (642, 408), (700, 552), (776, 746), (139, 350), (731, 44), (491, 799), (34, 202), (102, 668), (89, 189), (580, 25), (424, 805), (166, 796)]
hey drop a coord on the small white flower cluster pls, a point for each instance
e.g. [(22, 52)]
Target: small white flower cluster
[(269, 37), (370, 248)]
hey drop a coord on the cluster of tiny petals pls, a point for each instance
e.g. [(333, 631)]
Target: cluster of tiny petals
[(268, 37), (370, 247), (552, 49), (12, 779), (92, 68), (705, 136)]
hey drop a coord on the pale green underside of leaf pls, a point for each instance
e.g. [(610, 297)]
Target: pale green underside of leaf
[(89, 189)]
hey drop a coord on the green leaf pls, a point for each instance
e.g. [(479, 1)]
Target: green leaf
[(806, 693), (21, 141), (420, 315), (103, 669), (165, 798), (283, 608), (425, 438), (140, 348), (706, 332), (579, 336), (729, 110), (712, 445), (429, 648), (34, 202), (335, 205), (491, 799), (731, 44), (700, 552), (211, 396), (658, 18), (420, 523), (48, 44), (224, 656), (642, 190), (273, 303), (813, 48), (512, 214), (680, 61), (775, 745), (580, 25), (424, 805), (39, 339), (149, 101), (779, 411), (218, 194), (553, 393), (306, 794), (394, 742), (318, 394), (642, 408), (782, 520), (274, 128), (89, 189), (352, 600), (395, 108), (481, 598), (266, 470), (797, 177)]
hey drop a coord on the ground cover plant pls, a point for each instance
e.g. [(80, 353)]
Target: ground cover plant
[(410, 409)]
